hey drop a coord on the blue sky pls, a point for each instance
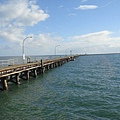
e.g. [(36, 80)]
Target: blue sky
[(83, 26)]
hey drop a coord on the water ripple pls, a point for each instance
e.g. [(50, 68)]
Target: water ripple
[(86, 89)]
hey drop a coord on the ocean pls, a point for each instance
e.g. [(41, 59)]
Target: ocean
[(85, 89)]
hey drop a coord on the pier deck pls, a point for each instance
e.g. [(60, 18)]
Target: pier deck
[(15, 73)]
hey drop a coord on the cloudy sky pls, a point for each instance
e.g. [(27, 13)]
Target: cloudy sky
[(83, 26)]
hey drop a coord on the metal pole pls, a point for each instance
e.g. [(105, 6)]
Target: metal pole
[(70, 52), (55, 48), (23, 52)]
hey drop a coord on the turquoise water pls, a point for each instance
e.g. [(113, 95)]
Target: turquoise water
[(85, 89)]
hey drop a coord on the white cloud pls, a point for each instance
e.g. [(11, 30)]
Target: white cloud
[(21, 13), (43, 44), (15, 16), (93, 36), (12, 34), (98, 42), (87, 7)]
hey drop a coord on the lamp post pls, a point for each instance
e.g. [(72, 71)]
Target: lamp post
[(70, 52), (55, 48), (23, 53)]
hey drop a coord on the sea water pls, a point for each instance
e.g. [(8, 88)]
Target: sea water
[(85, 89)]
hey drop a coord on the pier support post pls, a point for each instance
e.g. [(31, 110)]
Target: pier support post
[(35, 73), (43, 70), (61, 63), (47, 67), (39, 70), (41, 63), (51, 66), (4, 84), (17, 78), (56, 64), (42, 67), (27, 75)]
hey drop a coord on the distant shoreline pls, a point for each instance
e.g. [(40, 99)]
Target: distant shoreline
[(98, 54)]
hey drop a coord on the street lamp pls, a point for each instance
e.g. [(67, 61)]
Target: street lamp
[(23, 53), (70, 52), (55, 48)]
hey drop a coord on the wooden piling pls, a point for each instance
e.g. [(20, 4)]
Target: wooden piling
[(4, 84), (51, 66), (43, 70), (41, 63), (17, 79), (27, 75), (35, 72)]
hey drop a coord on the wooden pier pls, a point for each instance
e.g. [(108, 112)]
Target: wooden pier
[(15, 73)]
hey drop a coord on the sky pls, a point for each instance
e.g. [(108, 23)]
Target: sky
[(79, 26)]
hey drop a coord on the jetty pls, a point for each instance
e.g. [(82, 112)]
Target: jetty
[(15, 73)]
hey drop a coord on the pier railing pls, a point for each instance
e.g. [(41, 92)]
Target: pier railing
[(15, 61), (8, 62)]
